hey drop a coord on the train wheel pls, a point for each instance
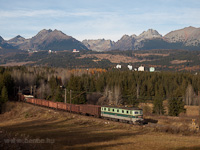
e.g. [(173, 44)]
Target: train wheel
[(130, 122)]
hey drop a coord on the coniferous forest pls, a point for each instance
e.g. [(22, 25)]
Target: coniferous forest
[(103, 87)]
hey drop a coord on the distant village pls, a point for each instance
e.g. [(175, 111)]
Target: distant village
[(141, 68), (118, 66), (50, 51)]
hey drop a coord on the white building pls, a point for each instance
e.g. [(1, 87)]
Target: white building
[(151, 69), (119, 66), (141, 68), (75, 51), (50, 51), (130, 67)]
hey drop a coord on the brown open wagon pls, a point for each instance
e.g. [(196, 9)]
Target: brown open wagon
[(29, 100), (62, 106), (20, 97), (74, 108), (38, 102), (93, 110), (53, 104), (45, 103)]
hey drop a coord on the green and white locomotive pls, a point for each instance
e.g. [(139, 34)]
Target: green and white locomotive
[(122, 114)]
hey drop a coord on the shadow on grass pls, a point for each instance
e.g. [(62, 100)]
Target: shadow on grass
[(150, 121), (97, 147), (189, 148), (68, 135)]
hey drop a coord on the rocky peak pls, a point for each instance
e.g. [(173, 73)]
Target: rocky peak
[(189, 35), (44, 31), (18, 38), (149, 34), (98, 45), (125, 37), (50, 35), (1, 39), (59, 35), (133, 36)]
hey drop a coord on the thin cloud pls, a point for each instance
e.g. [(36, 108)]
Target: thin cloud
[(89, 18), (48, 13)]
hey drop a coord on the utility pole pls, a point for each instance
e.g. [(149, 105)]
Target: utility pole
[(138, 90), (70, 100), (31, 92), (199, 108), (65, 96)]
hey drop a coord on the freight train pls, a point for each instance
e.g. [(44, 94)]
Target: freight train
[(121, 114)]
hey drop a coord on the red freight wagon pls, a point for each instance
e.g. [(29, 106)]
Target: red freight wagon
[(53, 104), (32, 100), (68, 107), (20, 97), (75, 108), (29, 100), (94, 110), (62, 106), (38, 101), (45, 103)]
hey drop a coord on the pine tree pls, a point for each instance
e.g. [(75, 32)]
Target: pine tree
[(8, 82), (4, 95), (58, 95), (53, 84), (175, 103), (158, 104)]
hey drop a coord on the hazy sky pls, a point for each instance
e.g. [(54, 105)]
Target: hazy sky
[(94, 19)]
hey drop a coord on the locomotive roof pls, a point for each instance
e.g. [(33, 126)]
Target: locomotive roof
[(128, 108)]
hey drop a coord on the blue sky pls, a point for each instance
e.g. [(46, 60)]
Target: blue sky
[(95, 19)]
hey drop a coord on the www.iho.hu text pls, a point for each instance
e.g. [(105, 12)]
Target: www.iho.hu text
[(14, 141)]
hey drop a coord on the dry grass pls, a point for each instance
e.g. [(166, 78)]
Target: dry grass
[(150, 54), (179, 61), (17, 63), (192, 110), (73, 131), (113, 58)]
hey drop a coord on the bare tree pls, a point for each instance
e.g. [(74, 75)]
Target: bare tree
[(189, 95), (44, 90), (117, 95), (113, 95)]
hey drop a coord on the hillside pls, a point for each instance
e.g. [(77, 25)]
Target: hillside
[(4, 44), (187, 38), (162, 60), (48, 40), (72, 131)]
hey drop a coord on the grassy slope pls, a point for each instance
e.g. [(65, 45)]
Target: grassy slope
[(72, 131), (161, 59)]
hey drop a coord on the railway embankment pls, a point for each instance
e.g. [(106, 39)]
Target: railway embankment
[(26, 125)]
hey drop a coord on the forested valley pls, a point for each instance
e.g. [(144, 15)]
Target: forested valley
[(102, 87)]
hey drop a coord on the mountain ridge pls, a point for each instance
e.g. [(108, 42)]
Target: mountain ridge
[(185, 38), (48, 40)]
